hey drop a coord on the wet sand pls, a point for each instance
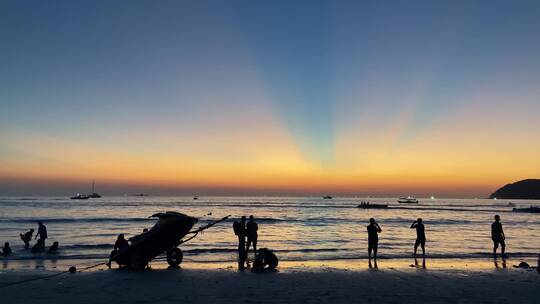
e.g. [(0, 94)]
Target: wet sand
[(314, 282)]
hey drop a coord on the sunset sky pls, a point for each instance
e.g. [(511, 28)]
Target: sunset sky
[(278, 97)]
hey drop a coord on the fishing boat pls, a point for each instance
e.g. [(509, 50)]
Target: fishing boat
[(407, 200), (531, 209)]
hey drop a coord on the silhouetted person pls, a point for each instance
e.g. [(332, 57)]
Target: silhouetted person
[(538, 264), (145, 230), (120, 244), (497, 235), (6, 250), (39, 246), (54, 248), (265, 260), (420, 236), (27, 237), (373, 238), (240, 231), (251, 229), (42, 234)]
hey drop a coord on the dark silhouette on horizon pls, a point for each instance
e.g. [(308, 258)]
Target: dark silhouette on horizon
[(252, 235), (524, 189), (497, 236), (373, 239), (420, 236), (369, 205), (240, 231)]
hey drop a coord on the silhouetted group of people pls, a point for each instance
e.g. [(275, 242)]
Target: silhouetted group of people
[(38, 247), (264, 258), (373, 229)]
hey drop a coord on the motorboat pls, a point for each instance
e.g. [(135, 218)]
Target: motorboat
[(369, 205), (327, 197), (531, 209), (407, 200)]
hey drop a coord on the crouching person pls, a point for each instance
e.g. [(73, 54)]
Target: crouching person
[(6, 250), (26, 238), (120, 244), (54, 248), (265, 260)]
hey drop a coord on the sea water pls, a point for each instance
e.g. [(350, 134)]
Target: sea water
[(296, 228)]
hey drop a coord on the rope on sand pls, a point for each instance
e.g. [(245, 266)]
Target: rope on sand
[(71, 269)]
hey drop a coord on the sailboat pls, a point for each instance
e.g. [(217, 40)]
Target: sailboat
[(94, 194)]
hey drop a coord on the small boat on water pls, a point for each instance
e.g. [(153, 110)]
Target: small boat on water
[(196, 197), (407, 200), (369, 205), (327, 197), (531, 209), (80, 197)]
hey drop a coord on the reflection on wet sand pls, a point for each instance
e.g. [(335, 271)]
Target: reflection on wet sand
[(423, 263), (474, 265), (499, 266)]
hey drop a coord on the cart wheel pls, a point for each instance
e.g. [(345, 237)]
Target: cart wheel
[(174, 257), (136, 262)]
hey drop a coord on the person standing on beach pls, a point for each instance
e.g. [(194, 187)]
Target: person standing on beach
[(251, 229), (240, 231), (373, 238), (497, 235), (420, 236), (42, 234)]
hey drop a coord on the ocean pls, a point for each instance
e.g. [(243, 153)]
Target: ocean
[(296, 228)]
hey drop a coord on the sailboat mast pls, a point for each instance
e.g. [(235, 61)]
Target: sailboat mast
[(93, 182)]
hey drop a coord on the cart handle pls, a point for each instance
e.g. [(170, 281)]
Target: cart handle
[(195, 232)]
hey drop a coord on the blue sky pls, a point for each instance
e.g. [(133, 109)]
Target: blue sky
[(328, 73)]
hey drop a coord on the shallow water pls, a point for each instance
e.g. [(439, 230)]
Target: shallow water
[(298, 229)]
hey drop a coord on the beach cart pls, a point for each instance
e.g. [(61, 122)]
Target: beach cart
[(165, 236)]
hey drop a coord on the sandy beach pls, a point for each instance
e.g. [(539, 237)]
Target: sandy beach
[(292, 284)]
